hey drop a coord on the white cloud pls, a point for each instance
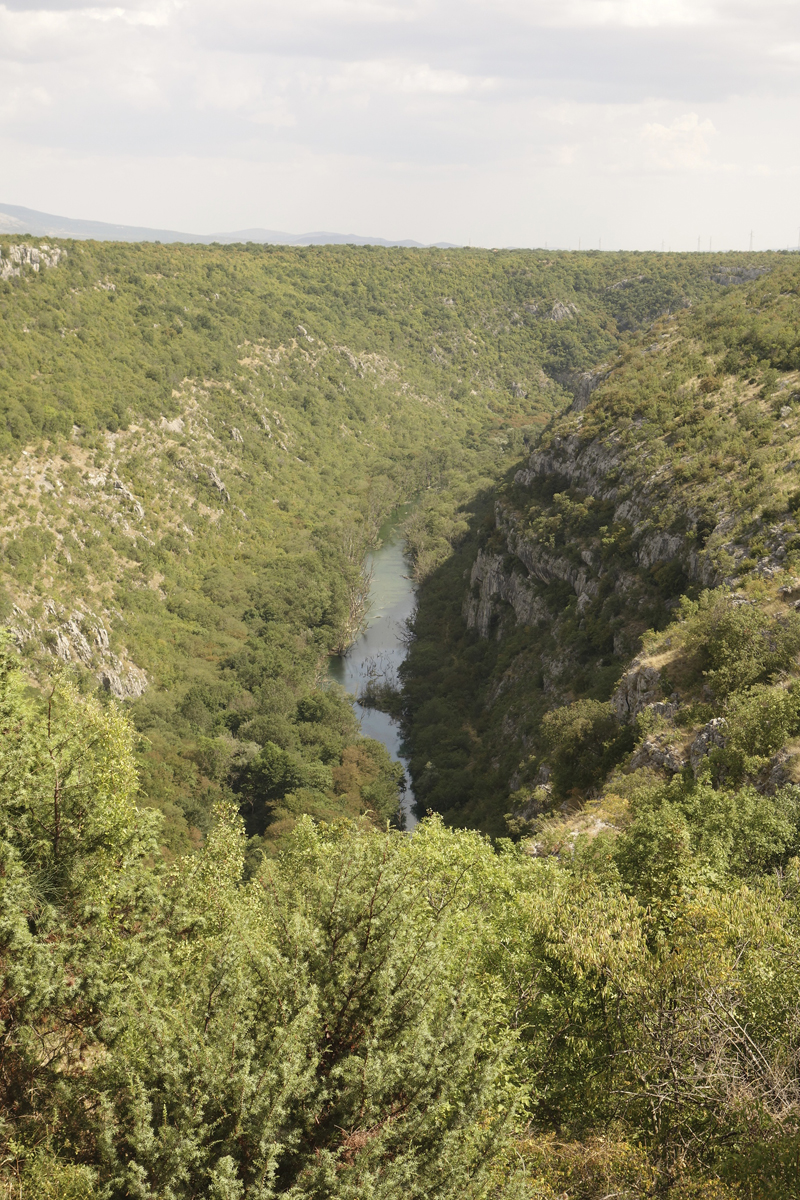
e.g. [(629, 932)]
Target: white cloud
[(636, 14), (389, 76), (680, 146), (562, 102)]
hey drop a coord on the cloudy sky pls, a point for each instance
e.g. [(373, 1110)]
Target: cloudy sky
[(510, 122)]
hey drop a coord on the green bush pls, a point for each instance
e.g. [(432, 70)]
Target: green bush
[(585, 741), (737, 644)]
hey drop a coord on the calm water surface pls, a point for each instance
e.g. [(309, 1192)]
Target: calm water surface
[(381, 646)]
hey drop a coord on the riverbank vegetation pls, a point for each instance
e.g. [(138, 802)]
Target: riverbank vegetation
[(224, 971)]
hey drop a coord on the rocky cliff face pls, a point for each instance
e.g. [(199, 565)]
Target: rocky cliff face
[(490, 580), (594, 541), (79, 637), (672, 474), (607, 471), (17, 257), (601, 469)]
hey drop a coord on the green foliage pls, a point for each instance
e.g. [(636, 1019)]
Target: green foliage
[(328, 1007), (50, 1178), (684, 835), (372, 1014), (321, 1030), (73, 859), (322, 1053), (738, 645), (69, 779), (759, 722), (584, 741)]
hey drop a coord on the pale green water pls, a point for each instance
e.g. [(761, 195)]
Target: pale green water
[(391, 604)]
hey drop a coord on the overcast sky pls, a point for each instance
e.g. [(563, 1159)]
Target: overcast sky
[(515, 122)]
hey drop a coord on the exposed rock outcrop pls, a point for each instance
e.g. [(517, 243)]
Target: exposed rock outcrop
[(777, 774), (586, 465), (561, 311), (217, 483), (124, 684), (711, 735), (176, 425), (541, 563), (639, 688), (583, 385), (657, 751), (121, 489), (597, 468), (80, 637), (494, 583), (736, 275), (29, 256)]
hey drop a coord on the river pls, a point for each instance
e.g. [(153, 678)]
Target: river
[(381, 645)]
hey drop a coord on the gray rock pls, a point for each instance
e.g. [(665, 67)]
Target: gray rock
[(217, 483), (776, 775), (174, 426), (598, 468), (101, 638), (711, 735), (124, 686), (29, 256), (62, 647), (562, 312), (584, 385), (663, 708), (734, 275), (496, 584), (639, 688), (80, 645), (656, 751), (121, 490), (658, 547)]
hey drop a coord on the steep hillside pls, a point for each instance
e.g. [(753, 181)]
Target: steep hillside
[(203, 441), (201, 444), (674, 472)]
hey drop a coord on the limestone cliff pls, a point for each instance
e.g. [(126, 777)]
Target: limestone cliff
[(672, 473)]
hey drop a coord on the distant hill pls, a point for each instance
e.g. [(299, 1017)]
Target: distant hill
[(16, 219)]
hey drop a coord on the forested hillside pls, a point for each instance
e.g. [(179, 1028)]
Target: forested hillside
[(201, 444), (225, 972)]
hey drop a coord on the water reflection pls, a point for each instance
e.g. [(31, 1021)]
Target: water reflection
[(382, 647)]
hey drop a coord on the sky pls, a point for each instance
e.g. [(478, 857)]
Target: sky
[(621, 124)]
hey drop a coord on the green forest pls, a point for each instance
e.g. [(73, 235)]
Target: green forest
[(226, 969)]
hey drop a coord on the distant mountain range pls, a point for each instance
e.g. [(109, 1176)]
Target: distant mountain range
[(16, 219)]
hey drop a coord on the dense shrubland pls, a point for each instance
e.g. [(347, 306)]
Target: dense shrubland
[(202, 442), (223, 971), (370, 1014)]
